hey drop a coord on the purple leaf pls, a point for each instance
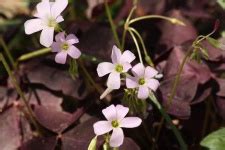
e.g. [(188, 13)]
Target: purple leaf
[(185, 93), (221, 91), (175, 34), (53, 78), (56, 121), (80, 136), (10, 138), (129, 144), (43, 143), (47, 99), (220, 102)]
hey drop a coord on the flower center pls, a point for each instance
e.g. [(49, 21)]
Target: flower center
[(52, 22), (119, 68), (64, 46), (141, 81), (115, 124)]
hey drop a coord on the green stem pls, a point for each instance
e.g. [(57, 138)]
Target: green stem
[(177, 78), (18, 89), (172, 20), (137, 46), (8, 54), (126, 26), (89, 76), (176, 132), (34, 54), (147, 58), (113, 27)]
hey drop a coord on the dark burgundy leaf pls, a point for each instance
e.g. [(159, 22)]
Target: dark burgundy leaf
[(150, 7), (175, 34), (79, 137), (221, 91), (43, 143), (220, 102), (202, 93), (185, 93), (53, 78), (56, 121), (97, 41), (10, 138), (215, 54), (129, 144), (200, 71), (46, 99)]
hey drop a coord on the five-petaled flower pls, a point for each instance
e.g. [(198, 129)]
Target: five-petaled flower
[(144, 80), (48, 16), (64, 46), (120, 64), (116, 120)]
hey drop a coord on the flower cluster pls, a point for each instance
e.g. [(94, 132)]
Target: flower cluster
[(144, 79), (48, 17)]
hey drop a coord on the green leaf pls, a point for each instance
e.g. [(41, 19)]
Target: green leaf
[(213, 42), (215, 140), (221, 3), (92, 145)]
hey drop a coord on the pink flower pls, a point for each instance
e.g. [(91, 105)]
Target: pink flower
[(64, 46), (48, 16), (115, 121), (143, 80), (120, 64)]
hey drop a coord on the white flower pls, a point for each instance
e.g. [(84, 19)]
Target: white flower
[(120, 64), (115, 121), (64, 46), (48, 16), (144, 80)]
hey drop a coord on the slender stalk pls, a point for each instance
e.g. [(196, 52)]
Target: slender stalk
[(126, 25), (113, 27), (34, 54), (176, 132), (88, 76), (147, 58), (177, 78), (172, 20), (7, 52), (137, 46), (18, 89)]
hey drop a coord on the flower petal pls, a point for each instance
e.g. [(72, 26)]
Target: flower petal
[(71, 39), (130, 122), (74, 52), (126, 66), (127, 56), (121, 111), (131, 82), (60, 37), (43, 9), (143, 92), (110, 113), (113, 81), (58, 7), (150, 72), (102, 127), (46, 38), (138, 70), (104, 68), (61, 57), (33, 25), (153, 84), (117, 137), (56, 47), (59, 19), (116, 54)]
